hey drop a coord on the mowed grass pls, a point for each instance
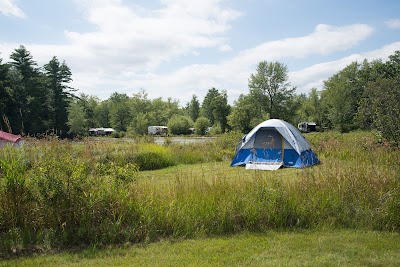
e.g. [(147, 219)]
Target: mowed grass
[(305, 248), (211, 172)]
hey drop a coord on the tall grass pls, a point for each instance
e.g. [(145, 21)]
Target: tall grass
[(60, 194)]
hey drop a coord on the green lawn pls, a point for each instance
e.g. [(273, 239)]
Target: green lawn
[(216, 170), (308, 248)]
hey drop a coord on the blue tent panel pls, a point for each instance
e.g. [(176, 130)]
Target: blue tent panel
[(290, 159)]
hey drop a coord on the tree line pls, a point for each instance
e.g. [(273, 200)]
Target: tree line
[(36, 100)]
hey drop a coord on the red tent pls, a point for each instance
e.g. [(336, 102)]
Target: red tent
[(10, 139)]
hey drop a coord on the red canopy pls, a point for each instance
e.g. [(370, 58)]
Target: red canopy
[(9, 137)]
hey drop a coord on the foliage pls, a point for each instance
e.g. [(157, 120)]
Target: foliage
[(77, 121), (269, 86), (89, 105), (140, 124), (383, 117), (179, 124), (27, 92), (101, 114), (34, 100), (215, 108), (57, 194), (310, 109), (193, 108), (201, 125), (119, 111), (153, 157), (341, 95), (245, 115), (58, 76)]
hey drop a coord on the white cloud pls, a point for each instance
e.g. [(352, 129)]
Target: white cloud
[(393, 23), (324, 40), (225, 48), (233, 74), (141, 40), (130, 45), (130, 42), (9, 8), (314, 75)]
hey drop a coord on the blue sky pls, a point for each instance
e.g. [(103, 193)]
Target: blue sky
[(177, 48)]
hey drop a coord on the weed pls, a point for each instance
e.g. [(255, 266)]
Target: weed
[(59, 194)]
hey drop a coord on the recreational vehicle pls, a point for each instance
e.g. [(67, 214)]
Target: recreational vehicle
[(157, 130)]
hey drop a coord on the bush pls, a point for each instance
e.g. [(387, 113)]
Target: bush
[(153, 157), (118, 134), (383, 117), (201, 125), (61, 194), (180, 124), (216, 129), (150, 160)]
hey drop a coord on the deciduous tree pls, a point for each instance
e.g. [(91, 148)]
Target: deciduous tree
[(215, 108), (270, 87)]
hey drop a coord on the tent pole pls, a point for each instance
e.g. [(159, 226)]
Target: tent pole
[(283, 147)]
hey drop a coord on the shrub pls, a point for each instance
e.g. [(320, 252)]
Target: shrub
[(201, 125), (150, 160), (60, 194), (180, 124), (383, 117), (216, 129), (153, 157)]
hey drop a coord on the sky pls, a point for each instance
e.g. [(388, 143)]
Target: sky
[(178, 48)]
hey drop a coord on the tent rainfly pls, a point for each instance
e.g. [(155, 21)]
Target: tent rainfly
[(272, 144), (7, 139)]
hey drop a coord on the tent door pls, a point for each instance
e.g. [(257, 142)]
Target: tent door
[(268, 147)]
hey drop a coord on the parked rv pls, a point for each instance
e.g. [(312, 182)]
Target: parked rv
[(191, 131), (157, 130), (101, 131), (307, 127)]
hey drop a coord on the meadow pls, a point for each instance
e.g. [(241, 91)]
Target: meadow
[(57, 195)]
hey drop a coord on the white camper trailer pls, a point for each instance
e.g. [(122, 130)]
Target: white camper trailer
[(157, 130), (307, 127)]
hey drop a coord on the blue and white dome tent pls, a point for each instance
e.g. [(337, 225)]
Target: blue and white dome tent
[(272, 144)]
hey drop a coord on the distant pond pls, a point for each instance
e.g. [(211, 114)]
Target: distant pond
[(183, 140)]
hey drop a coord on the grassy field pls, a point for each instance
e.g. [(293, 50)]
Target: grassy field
[(306, 248), (58, 195)]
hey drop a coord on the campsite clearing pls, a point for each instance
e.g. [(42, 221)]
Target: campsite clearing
[(91, 194)]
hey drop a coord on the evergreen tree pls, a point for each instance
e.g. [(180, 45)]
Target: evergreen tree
[(6, 100), (207, 105), (30, 94), (58, 76), (193, 108)]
